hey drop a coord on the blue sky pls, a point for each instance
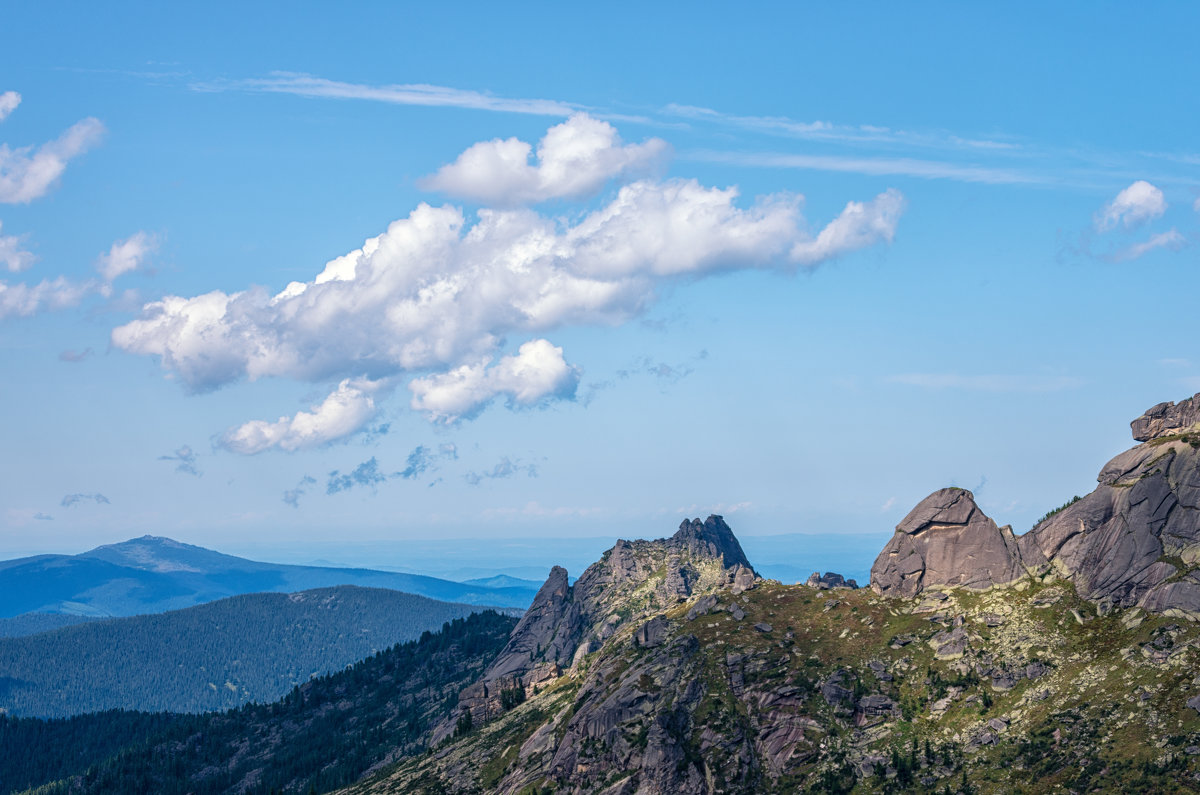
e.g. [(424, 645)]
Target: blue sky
[(799, 265)]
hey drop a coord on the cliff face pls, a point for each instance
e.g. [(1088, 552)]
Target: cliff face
[(1133, 542)]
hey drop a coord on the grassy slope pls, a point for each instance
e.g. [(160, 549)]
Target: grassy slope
[(1104, 717)]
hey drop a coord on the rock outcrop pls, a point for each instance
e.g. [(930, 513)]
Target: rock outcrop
[(946, 542), (830, 581), (1167, 419), (631, 582), (1135, 540)]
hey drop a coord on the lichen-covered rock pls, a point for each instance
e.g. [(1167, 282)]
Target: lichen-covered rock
[(946, 541)]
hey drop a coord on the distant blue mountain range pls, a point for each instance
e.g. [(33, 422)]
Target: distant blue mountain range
[(153, 574)]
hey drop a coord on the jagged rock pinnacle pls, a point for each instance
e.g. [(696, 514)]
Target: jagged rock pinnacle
[(710, 538)]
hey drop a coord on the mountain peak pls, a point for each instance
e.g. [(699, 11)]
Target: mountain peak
[(710, 538), (946, 541)]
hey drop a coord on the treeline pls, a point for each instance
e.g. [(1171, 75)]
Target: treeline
[(210, 657), (322, 735)]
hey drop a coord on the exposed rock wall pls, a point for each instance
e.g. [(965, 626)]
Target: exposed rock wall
[(1133, 542), (946, 541), (1166, 419)]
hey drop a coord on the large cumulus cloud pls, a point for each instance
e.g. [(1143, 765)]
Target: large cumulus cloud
[(439, 294)]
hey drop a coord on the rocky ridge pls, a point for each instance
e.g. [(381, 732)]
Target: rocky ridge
[(978, 661), (631, 581), (1134, 541)]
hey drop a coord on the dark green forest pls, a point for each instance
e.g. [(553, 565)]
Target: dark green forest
[(210, 657), (322, 735)]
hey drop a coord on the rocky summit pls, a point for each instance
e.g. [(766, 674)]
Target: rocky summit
[(1134, 541), (946, 541), (1062, 660)]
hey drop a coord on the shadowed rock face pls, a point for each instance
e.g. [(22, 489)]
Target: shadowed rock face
[(1166, 419), (946, 541)]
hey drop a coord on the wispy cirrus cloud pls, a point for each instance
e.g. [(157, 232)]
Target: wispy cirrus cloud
[(842, 133), (306, 85), (1171, 240), (871, 166), (987, 382)]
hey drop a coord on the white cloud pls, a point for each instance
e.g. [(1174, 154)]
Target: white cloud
[(12, 256), (125, 255), (575, 159), (431, 293), (23, 300), (1196, 205), (1132, 207), (27, 173), (536, 373), (438, 296), (860, 225), (1170, 240), (8, 103), (412, 94), (347, 409)]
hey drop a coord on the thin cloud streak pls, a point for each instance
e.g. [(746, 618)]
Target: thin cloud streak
[(870, 166), (305, 85), (841, 133), (987, 383)]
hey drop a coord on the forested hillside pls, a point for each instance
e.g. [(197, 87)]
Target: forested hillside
[(324, 734), (210, 657), (33, 623)]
